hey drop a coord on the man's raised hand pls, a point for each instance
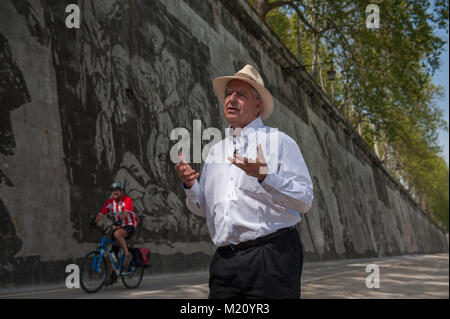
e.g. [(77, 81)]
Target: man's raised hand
[(185, 172), (256, 168)]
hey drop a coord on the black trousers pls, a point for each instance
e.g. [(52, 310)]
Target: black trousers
[(271, 270)]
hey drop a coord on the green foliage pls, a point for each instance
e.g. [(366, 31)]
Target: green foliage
[(383, 84), (280, 23), (439, 193)]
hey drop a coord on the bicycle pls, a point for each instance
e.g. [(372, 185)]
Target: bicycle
[(94, 267)]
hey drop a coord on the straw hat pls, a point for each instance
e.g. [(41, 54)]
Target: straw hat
[(248, 74)]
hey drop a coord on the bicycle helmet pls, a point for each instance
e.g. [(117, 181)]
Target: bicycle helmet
[(116, 186)]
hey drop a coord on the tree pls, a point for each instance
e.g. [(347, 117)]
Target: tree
[(383, 85)]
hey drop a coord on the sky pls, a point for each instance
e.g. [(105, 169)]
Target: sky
[(441, 78)]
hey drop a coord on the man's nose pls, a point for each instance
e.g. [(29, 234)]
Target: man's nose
[(232, 96), (233, 93)]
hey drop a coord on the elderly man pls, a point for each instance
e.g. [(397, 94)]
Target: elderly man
[(251, 204)]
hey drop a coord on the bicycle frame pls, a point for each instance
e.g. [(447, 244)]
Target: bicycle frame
[(104, 248)]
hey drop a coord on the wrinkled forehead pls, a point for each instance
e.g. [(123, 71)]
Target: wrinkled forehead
[(238, 85)]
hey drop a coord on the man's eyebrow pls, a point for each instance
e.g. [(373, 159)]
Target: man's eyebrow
[(240, 91)]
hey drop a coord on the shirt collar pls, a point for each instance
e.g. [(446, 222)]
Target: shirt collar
[(252, 126)]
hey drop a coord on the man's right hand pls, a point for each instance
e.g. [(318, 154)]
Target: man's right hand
[(185, 172)]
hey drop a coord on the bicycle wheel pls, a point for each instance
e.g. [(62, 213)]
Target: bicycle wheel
[(133, 276), (93, 274)]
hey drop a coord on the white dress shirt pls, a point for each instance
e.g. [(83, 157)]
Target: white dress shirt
[(237, 206)]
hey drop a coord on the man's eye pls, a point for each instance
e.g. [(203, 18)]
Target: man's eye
[(239, 93)]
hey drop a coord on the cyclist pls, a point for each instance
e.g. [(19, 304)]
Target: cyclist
[(120, 207)]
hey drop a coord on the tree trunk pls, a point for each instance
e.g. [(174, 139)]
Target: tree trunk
[(322, 82), (315, 68)]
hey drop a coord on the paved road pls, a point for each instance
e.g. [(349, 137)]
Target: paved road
[(414, 276)]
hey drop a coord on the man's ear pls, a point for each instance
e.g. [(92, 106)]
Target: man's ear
[(258, 108)]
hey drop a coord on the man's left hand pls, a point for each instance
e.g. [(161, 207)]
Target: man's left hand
[(256, 168)]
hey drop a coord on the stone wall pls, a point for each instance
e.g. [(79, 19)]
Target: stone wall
[(83, 107)]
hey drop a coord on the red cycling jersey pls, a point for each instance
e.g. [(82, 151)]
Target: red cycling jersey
[(117, 208)]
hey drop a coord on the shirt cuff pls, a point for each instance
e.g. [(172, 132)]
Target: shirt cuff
[(193, 192), (271, 182)]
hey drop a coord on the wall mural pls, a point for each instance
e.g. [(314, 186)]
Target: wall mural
[(125, 79), (13, 94)]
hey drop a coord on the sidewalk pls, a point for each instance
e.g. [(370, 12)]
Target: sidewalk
[(403, 277), (412, 276)]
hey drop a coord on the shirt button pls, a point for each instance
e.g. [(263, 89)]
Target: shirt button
[(231, 178)]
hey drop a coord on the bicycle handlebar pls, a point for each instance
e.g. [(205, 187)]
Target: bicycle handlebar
[(103, 228)]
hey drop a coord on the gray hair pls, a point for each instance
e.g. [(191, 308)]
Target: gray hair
[(257, 97), (256, 94)]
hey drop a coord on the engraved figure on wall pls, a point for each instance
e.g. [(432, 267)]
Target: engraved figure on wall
[(13, 94)]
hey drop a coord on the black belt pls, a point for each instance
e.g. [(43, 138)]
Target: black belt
[(258, 241)]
